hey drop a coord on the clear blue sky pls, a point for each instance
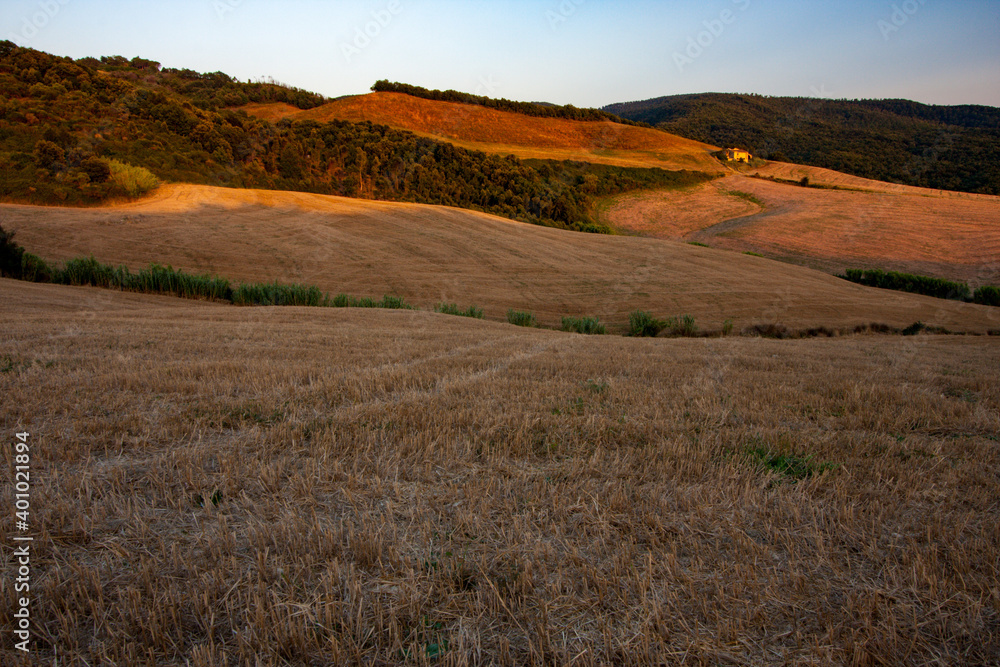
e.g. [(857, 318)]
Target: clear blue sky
[(582, 52)]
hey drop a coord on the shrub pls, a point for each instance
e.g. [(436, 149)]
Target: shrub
[(914, 329), (727, 327), (642, 323), (908, 282), (35, 269), (48, 155), (278, 294), (133, 181), (583, 325), (521, 319), (453, 309), (682, 326), (387, 301), (987, 295), (770, 330), (96, 169), (11, 255)]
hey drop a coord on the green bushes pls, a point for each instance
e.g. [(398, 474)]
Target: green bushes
[(937, 287), (278, 294), (11, 255), (521, 319), (387, 301), (987, 295), (583, 325), (642, 323), (134, 181), (908, 282), (453, 309)]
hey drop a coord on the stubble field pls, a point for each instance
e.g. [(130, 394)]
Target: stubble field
[(946, 234), (215, 485), (430, 254)]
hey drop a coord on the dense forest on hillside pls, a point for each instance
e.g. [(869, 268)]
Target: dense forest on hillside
[(568, 111), (64, 122), (947, 147)]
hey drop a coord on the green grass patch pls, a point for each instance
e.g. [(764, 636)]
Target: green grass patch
[(745, 196), (792, 466), (278, 294), (521, 318), (453, 309), (583, 325), (699, 244), (387, 301)]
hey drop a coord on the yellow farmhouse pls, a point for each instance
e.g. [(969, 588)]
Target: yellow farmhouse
[(737, 155)]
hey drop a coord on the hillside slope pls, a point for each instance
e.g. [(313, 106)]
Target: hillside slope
[(506, 132), (945, 234), (948, 147), (429, 254)]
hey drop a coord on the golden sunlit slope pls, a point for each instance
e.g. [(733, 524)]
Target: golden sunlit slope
[(429, 254), (504, 132), (947, 234)]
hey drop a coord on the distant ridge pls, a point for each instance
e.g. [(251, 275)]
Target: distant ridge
[(541, 109), (900, 141)]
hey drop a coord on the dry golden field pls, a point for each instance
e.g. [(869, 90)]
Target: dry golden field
[(508, 133), (214, 485), (947, 234), (429, 254), (863, 224)]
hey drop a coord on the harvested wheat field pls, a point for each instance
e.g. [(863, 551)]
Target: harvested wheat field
[(508, 133), (946, 234), (214, 485), (430, 254)]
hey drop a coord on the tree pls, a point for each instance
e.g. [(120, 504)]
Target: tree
[(48, 155), (97, 169)]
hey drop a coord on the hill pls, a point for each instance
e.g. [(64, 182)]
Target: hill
[(429, 254), (844, 223), (946, 147), (510, 133), (66, 125)]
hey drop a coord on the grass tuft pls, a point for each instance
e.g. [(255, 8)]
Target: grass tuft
[(453, 309), (521, 318), (583, 325)]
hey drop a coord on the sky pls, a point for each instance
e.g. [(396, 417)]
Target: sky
[(588, 53)]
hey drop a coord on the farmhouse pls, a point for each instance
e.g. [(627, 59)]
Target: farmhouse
[(737, 155)]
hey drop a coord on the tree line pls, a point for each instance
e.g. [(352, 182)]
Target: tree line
[(568, 111)]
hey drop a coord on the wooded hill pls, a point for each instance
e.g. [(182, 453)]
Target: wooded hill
[(946, 147), (63, 122)]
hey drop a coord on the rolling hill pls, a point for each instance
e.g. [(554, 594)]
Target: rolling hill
[(946, 147), (509, 133), (429, 254), (850, 223)]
